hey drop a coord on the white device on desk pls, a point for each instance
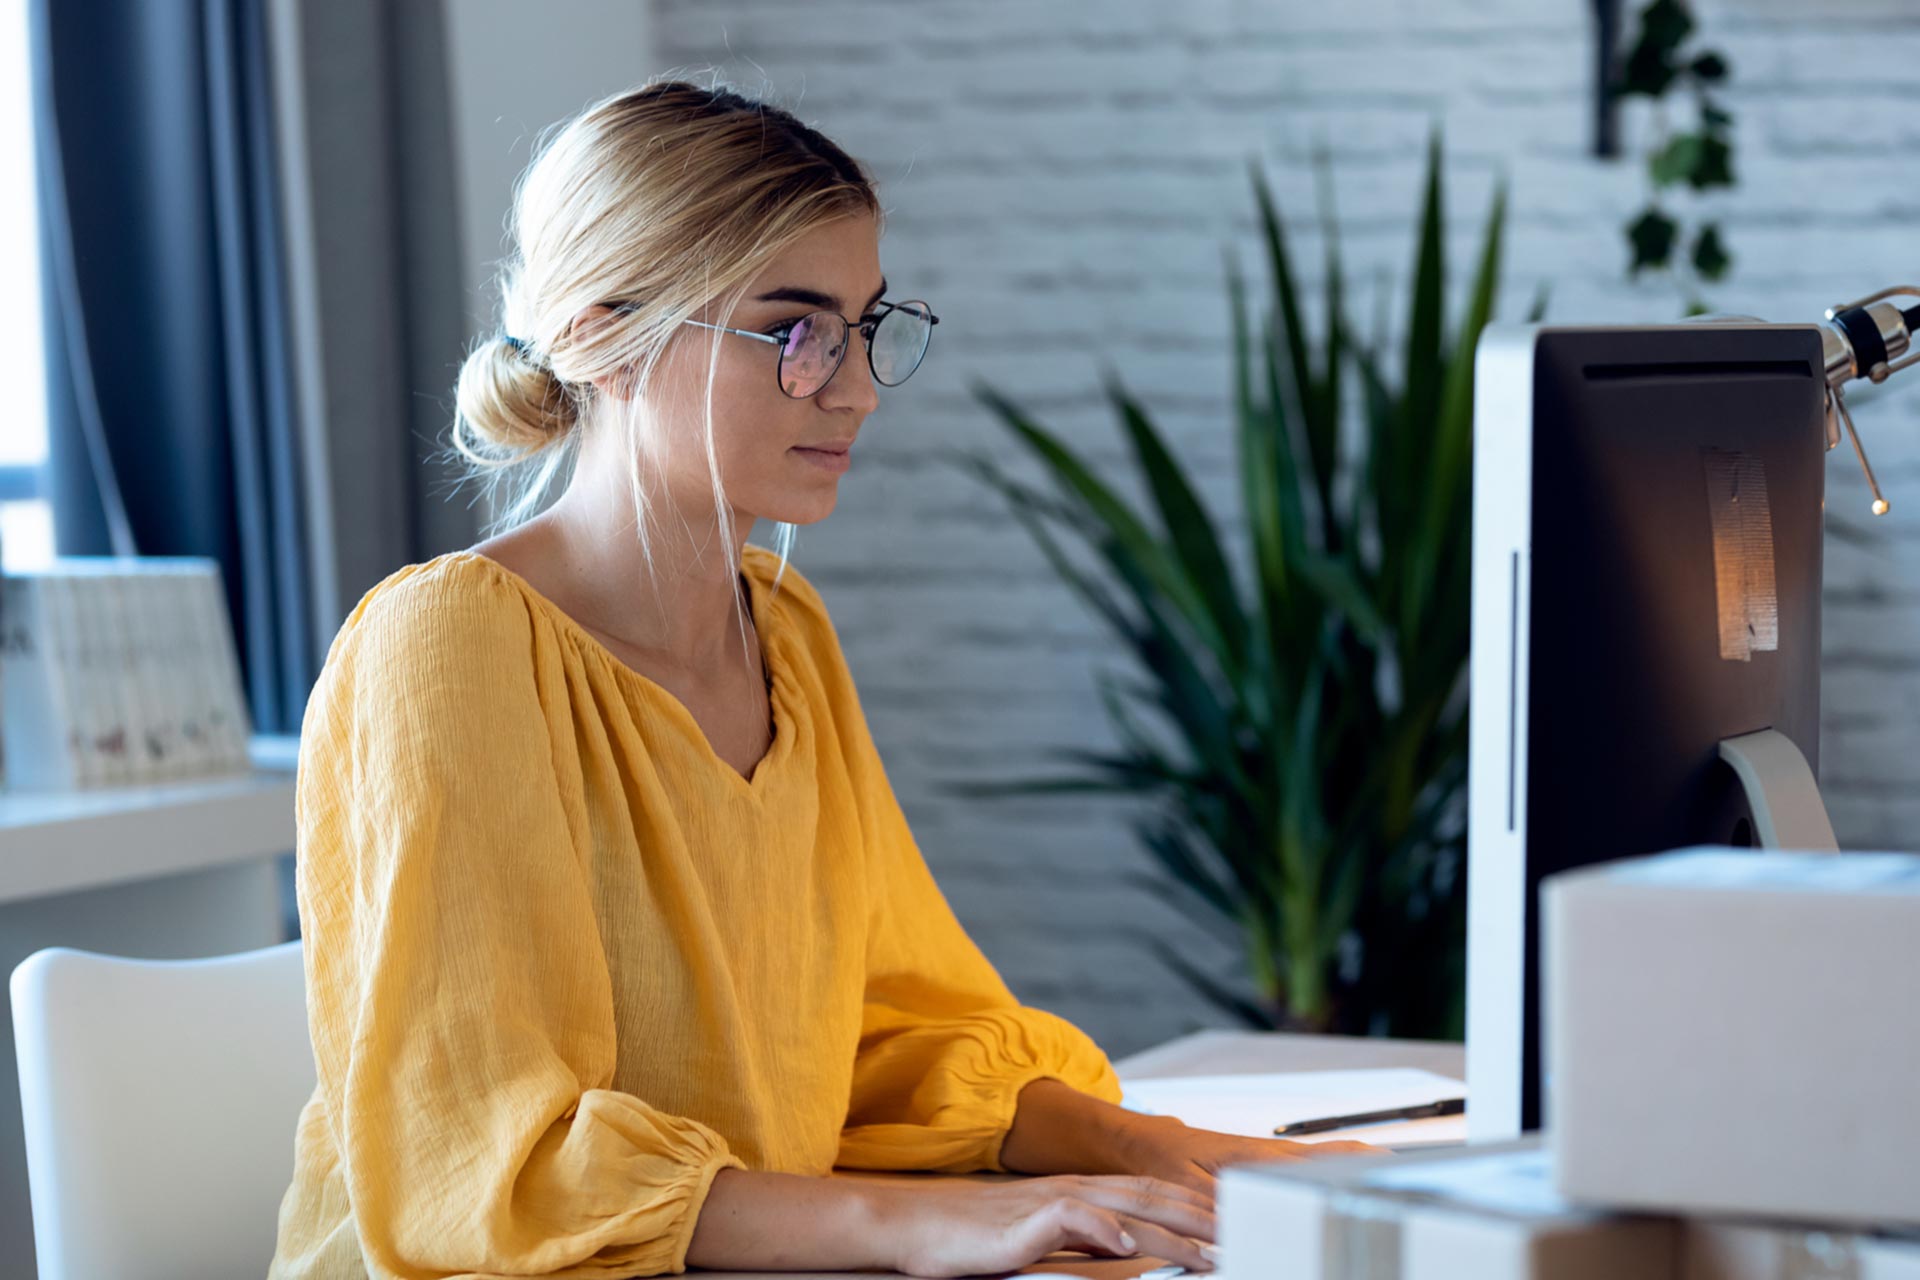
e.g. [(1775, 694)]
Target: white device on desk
[(1645, 621), (1779, 991)]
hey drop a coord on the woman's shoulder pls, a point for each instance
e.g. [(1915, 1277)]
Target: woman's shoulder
[(814, 645), (791, 590), (455, 607), (797, 602), (434, 678)]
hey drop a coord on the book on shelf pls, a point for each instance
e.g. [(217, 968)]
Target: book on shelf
[(118, 671)]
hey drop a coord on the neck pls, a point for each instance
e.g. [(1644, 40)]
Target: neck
[(678, 607)]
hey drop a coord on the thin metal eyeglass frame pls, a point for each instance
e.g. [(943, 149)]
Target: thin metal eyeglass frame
[(779, 337)]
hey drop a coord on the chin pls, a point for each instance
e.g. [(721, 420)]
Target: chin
[(800, 510)]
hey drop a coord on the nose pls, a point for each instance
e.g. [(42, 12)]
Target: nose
[(852, 385)]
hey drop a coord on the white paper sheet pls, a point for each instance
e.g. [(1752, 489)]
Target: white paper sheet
[(1251, 1105)]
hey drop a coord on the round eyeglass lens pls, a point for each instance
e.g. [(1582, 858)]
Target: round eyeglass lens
[(899, 341), (813, 351)]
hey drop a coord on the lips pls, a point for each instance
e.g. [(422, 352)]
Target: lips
[(834, 462)]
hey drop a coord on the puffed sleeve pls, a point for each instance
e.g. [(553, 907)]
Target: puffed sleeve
[(945, 1047), (459, 1000)]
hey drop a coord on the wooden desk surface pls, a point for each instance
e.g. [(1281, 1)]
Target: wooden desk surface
[(1202, 1053)]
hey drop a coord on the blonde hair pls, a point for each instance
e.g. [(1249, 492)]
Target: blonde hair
[(670, 196)]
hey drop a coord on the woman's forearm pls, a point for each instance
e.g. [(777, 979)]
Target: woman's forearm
[(1058, 1129), (755, 1221)]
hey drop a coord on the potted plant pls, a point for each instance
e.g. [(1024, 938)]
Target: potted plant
[(1301, 737)]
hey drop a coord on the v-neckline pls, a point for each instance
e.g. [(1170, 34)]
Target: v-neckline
[(772, 638)]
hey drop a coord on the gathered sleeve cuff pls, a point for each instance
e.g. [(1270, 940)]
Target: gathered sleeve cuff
[(940, 1093)]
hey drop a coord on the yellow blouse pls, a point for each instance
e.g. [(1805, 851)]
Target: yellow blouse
[(564, 964)]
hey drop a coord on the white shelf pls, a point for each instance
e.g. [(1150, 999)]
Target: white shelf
[(60, 841)]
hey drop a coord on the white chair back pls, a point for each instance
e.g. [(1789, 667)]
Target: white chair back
[(159, 1101)]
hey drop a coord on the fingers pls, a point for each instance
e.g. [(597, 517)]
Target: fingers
[(1079, 1225), (1201, 1196), (1152, 1200), (1285, 1149), (1156, 1240), (1192, 1183)]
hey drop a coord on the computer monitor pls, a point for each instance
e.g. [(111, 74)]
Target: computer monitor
[(1646, 584)]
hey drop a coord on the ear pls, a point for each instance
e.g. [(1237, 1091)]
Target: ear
[(618, 386)]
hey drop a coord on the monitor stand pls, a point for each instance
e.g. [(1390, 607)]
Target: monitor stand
[(1781, 794)]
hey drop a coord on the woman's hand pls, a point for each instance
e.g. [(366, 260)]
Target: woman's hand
[(953, 1227), (1162, 1147), (1058, 1129)]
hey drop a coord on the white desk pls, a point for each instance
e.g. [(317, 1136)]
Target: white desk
[(1203, 1053), (167, 870)]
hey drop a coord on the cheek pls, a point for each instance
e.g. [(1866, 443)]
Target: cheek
[(753, 428), (752, 418)]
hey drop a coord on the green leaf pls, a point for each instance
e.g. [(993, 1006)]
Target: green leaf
[(1710, 256), (1337, 582), (1425, 343), (1188, 864), (1651, 65), (1299, 368), (1186, 696), (992, 789), (1713, 165), (1651, 236), (1129, 533), (1028, 508), (1253, 438), (1537, 310), (1187, 524), (1215, 991), (1709, 67), (1322, 417), (1189, 904), (1448, 502), (1665, 25), (1646, 72), (1677, 160)]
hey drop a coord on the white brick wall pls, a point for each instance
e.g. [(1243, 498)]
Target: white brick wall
[(1061, 178)]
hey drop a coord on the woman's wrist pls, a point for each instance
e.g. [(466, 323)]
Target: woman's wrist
[(1058, 1129), (755, 1220)]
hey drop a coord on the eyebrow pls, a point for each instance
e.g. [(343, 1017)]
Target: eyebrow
[(813, 297)]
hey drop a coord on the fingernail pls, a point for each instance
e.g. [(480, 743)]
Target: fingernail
[(1126, 1242), (1211, 1252)]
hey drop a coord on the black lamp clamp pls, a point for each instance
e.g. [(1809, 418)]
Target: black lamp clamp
[(1869, 338)]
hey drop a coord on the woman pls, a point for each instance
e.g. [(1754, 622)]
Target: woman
[(617, 942)]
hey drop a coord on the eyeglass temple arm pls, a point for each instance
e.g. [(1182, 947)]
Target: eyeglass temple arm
[(745, 333), (932, 319)]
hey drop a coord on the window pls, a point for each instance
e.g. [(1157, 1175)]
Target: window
[(26, 517)]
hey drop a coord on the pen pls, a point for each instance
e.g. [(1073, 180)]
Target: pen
[(1444, 1107)]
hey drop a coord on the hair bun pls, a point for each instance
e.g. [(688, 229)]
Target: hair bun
[(509, 401)]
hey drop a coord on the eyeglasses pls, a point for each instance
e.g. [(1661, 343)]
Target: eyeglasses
[(812, 347)]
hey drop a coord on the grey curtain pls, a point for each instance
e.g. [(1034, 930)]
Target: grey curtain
[(172, 425)]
